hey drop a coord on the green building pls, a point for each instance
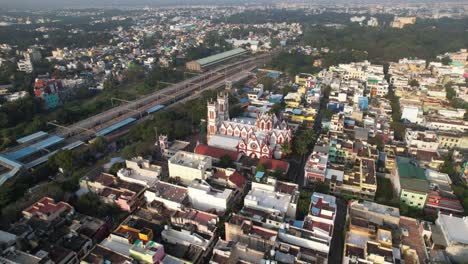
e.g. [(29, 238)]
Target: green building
[(410, 183)]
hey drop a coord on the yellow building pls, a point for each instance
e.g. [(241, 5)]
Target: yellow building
[(293, 100), (301, 78)]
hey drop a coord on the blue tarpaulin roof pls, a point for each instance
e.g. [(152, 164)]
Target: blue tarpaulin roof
[(155, 109), (116, 126), (259, 175), (274, 75), (21, 153), (297, 111), (244, 100), (298, 223), (31, 137)]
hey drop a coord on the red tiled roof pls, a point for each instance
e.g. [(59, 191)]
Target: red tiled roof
[(46, 206), (238, 179), (272, 164), (216, 152)]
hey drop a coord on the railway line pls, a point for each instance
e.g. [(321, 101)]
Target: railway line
[(180, 92)]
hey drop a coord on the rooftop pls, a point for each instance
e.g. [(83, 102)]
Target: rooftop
[(455, 228), (220, 57), (170, 192), (46, 206), (191, 160)]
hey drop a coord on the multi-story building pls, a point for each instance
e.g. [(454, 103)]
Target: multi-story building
[(201, 222), (243, 230), (401, 22), (172, 196), (451, 234), (421, 140), (206, 198), (410, 183), (47, 210), (141, 171), (316, 165), (277, 200), (49, 90), (369, 237), (321, 217), (188, 166), (127, 195)]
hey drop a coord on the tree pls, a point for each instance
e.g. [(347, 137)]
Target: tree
[(286, 149), (63, 159), (446, 60), (226, 162), (101, 144), (267, 82), (413, 83), (278, 174), (276, 108), (301, 146), (116, 167), (450, 92), (378, 141), (261, 167)]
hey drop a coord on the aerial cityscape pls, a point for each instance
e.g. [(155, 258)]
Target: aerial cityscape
[(233, 131)]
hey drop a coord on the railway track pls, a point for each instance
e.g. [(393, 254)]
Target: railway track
[(85, 130)]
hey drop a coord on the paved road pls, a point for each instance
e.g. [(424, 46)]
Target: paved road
[(337, 243)]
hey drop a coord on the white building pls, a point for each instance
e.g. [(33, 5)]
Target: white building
[(172, 196), (265, 197), (412, 113), (25, 66), (141, 171), (422, 140), (205, 198), (189, 166), (183, 237), (455, 236)]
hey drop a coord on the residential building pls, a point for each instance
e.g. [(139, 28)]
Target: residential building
[(169, 149), (206, 198), (46, 209), (172, 196), (450, 233), (316, 165), (410, 183), (141, 171), (276, 199), (25, 66), (401, 22), (235, 252), (368, 237), (127, 195), (49, 90), (188, 166), (198, 221), (243, 230)]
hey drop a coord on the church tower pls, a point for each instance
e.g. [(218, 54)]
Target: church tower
[(212, 119), (223, 105)]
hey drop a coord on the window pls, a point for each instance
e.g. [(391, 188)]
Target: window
[(405, 194), (411, 202), (420, 198)]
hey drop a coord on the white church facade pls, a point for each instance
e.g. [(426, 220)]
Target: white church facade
[(259, 137)]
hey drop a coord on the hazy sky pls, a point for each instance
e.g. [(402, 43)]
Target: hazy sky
[(125, 3)]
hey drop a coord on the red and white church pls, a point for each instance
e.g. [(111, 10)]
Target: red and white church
[(259, 137)]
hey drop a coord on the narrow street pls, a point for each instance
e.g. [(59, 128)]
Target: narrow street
[(337, 243)]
